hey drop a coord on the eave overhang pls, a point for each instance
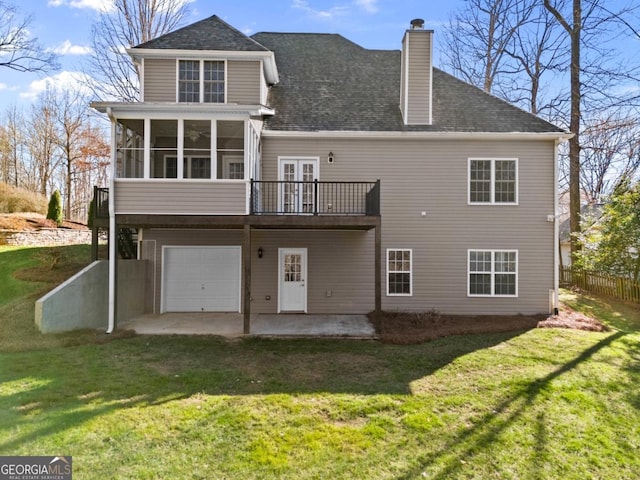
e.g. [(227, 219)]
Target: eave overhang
[(171, 109), (267, 58)]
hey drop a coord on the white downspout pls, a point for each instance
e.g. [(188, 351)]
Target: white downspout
[(556, 231), (113, 237)]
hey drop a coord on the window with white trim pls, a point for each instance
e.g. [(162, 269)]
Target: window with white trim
[(493, 181), (493, 273), (399, 272), (201, 81)]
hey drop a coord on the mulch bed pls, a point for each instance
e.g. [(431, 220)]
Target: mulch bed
[(406, 328), (569, 318)]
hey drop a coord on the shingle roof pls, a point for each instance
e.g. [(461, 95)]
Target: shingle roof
[(329, 83), (212, 33)]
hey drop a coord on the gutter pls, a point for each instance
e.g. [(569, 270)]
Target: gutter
[(372, 135)]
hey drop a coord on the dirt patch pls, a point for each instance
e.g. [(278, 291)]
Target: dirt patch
[(33, 221), (408, 328), (569, 318)]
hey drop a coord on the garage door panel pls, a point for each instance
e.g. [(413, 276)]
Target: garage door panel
[(202, 279)]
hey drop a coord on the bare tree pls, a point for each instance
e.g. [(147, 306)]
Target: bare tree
[(70, 110), (589, 26), (42, 143), (574, 32), (610, 154), (12, 147), (479, 36), (18, 50), (90, 169), (540, 52), (131, 23)]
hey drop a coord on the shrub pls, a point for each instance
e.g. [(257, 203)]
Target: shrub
[(15, 200), (54, 211)]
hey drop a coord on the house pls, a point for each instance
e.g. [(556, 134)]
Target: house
[(285, 172), (590, 215)]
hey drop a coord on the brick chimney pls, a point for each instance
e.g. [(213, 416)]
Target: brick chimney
[(416, 77)]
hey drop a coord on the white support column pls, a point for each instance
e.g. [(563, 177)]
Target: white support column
[(247, 166), (180, 146), (214, 149), (113, 237), (147, 148), (113, 258)]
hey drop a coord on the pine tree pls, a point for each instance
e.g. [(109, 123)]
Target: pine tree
[(54, 211)]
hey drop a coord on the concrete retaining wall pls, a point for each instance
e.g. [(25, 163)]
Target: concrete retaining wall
[(83, 300), (45, 236)]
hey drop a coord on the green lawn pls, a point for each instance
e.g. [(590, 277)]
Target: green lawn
[(542, 404)]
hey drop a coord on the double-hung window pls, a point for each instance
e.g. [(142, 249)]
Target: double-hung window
[(493, 273), (201, 81), (493, 181), (399, 272)]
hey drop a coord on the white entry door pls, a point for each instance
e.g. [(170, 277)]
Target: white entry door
[(292, 275), (296, 197)]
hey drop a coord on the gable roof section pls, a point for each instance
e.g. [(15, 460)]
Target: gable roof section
[(212, 33), (328, 83)]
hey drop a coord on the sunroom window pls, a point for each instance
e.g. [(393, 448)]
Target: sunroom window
[(130, 149), (230, 141), (183, 149), (197, 149), (164, 148)]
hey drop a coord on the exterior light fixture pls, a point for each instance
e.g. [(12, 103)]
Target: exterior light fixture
[(330, 157), (260, 252)]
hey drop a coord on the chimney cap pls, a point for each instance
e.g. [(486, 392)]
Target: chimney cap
[(417, 24)]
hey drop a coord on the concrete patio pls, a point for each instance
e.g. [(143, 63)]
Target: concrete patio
[(231, 325)]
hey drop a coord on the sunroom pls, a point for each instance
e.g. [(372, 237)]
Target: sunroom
[(170, 162)]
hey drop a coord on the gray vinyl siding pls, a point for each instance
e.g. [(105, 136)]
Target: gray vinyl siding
[(339, 262), (431, 176), (243, 82), (159, 80), (419, 71), (340, 274), (189, 198)]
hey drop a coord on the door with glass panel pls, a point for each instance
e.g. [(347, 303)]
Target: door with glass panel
[(297, 192), (292, 291)]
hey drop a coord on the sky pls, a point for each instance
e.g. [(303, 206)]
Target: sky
[(64, 27)]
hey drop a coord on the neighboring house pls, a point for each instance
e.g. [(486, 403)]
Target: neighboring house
[(589, 218), (303, 173)]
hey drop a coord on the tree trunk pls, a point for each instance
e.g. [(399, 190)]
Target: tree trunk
[(574, 127)]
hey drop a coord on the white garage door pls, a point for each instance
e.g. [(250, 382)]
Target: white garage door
[(201, 279)]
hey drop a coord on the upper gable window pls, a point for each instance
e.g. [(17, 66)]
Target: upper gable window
[(201, 81), (493, 181)]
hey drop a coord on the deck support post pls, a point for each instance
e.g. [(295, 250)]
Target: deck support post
[(378, 267), (246, 267)]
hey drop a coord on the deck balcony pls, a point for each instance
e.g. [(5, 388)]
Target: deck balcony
[(271, 204), (315, 198)]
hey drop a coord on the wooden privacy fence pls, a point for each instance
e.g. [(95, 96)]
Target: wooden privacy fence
[(618, 287)]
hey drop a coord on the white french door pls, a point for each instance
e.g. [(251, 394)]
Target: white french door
[(297, 189), (292, 274)]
